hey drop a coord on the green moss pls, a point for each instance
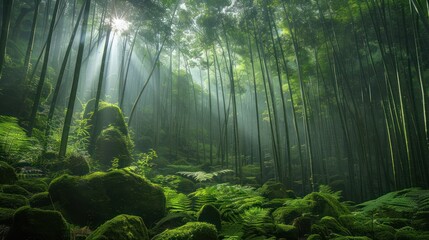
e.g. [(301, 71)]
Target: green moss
[(326, 205), (121, 227), (7, 174), (33, 185), (108, 115), (333, 226), (12, 200), (101, 196), (303, 224), (209, 213), (286, 231), (15, 189), (77, 165), (272, 190), (190, 231), (38, 224), (111, 144), (40, 200), (6, 216), (286, 215)]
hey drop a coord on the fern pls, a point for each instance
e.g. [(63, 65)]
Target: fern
[(177, 202), (406, 201), (201, 176), (257, 222), (230, 200), (328, 190)]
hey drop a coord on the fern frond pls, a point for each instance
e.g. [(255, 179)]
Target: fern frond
[(201, 176), (328, 190), (177, 202)]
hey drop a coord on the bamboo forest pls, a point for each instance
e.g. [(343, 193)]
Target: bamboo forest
[(214, 119)]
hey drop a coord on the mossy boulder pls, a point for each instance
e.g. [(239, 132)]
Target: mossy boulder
[(303, 224), (40, 200), (97, 197), (112, 144), (12, 201), (272, 190), (38, 224), (286, 231), (326, 205), (15, 189), (108, 115), (314, 237), (185, 185), (210, 214), (77, 164), (7, 174), (328, 226), (33, 185), (286, 215), (190, 231), (6, 216), (121, 227)]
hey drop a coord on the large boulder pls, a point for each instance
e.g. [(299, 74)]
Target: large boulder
[(112, 145), (121, 227), (7, 174), (12, 200), (38, 224), (190, 231), (93, 199), (209, 214), (6, 216), (109, 135), (272, 190)]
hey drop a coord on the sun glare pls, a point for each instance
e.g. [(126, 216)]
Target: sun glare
[(120, 25)]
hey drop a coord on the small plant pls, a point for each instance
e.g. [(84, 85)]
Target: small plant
[(115, 164), (144, 162)]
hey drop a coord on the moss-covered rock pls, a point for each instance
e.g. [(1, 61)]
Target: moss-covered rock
[(121, 227), (107, 115), (185, 185), (7, 174), (286, 231), (6, 216), (330, 225), (112, 144), (326, 205), (95, 198), (38, 224), (272, 190), (33, 185), (77, 164), (303, 224), (12, 201), (210, 214), (190, 231), (15, 189), (286, 215), (40, 200)]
